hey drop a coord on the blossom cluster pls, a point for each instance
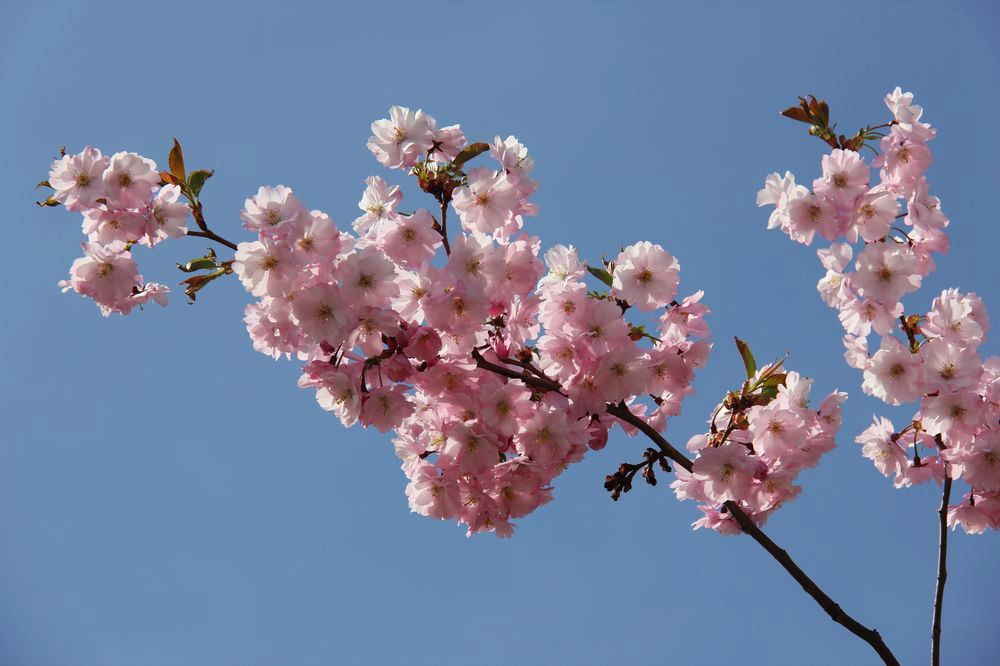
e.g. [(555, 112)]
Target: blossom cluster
[(759, 440), (123, 204), (930, 357), (399, 337)]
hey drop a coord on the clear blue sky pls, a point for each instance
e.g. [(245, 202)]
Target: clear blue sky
[(168, 496)]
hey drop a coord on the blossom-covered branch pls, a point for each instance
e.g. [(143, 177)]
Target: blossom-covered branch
[(928, 356)]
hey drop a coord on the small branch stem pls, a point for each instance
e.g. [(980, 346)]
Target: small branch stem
[(621, 412), (444, 226), (942, 572), (212, 236), (205, 232)]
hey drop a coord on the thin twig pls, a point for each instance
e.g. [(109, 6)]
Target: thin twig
[(213, 236), (621, 411), (444, 226), (942, 573)]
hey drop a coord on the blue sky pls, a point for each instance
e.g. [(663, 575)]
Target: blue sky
[(168, 496)]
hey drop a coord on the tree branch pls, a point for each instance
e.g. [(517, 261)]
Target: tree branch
[(212, 236), (444, 226), (836, 613), (621, 412), (942, 574), (205, 232)]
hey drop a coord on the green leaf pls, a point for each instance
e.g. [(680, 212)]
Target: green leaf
[(196, 283), (203, 264), (748, 360), (176, 160), (196, 180), (797, 113), (206, 263), (601, 275), (167, 178), (469, 152), (774, 380)]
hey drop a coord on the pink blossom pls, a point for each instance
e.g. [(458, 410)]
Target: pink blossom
[(368, 278), (879, 445), (812, 213), (779, 191), (129, 180), (894, 374), (776, 430), (948, 366), (266, 267), (317, 241), (876, 213), (447, 143), (151, 291), (379, 203), (321, 313), (845, 177), (411, 240), (78, 179), (886, 272), (472, 448), (432, 493), (274, 212), (646, 276), (385, 407), (860, 317), (167, 216), (338, 389), (107, 275), (487, 202), (400, 140), (725, 472)]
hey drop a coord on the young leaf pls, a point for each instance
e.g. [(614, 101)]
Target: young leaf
[(167, 178), (196, 180), (748, 360), (203, 264), (601, 275), (469, 152), (176, 160)]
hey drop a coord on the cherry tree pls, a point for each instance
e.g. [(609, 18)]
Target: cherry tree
[(496, 365)]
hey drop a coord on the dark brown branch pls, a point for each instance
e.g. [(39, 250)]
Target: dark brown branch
[(212, 236), (836, 613), (942, 573), (199, 218), (620, 411), (444, 226)]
